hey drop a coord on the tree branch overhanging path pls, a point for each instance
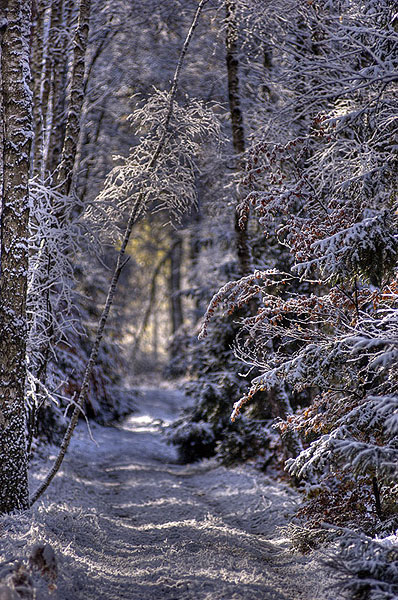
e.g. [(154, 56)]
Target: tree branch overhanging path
[(137, 210), (117, 117)]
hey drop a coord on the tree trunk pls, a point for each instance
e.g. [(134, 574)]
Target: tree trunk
[(41, 102), (37, 70), (195, 246), (66, 168), (65, 173), (58, 97), (91, 158), (3, 25), (17, 128), (176, 311), (54, 62), (155, 338), (238, 133)]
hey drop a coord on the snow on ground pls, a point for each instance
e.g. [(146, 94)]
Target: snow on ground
[(127, 522)]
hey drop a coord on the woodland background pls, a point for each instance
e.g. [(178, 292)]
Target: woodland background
[(259, 181)]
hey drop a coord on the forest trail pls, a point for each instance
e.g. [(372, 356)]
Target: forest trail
[(127, 522)]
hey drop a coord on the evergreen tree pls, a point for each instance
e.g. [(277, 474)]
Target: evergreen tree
[(332, 192)]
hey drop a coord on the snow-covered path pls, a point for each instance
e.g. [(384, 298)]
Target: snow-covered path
[(127, 522)]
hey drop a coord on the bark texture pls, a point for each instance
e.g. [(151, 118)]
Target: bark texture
[(39, 83), (17, 134), (238, 132), (58, 92), (72, 133)]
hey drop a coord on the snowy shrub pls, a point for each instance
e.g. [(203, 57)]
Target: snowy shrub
[(194, 440), (62, 237), (252, 440), (341, 501), (367, 568), (327, 324), (204, 428)]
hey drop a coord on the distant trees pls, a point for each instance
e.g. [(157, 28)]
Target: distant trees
[(42, 250), (133, 186), (54, 223), (40, 230)]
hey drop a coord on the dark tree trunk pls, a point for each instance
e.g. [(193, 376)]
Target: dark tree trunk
[(195, 245), (238, 133), (91, 142), (36, 70), (155, 338), (66, 168), (176, 311), (17, 127), (58, 98)]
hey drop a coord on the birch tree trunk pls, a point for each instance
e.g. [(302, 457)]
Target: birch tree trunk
[(53, 66), (15, 154), (41, 102)]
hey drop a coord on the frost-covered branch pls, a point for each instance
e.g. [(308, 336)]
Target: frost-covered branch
[(137, 209)]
